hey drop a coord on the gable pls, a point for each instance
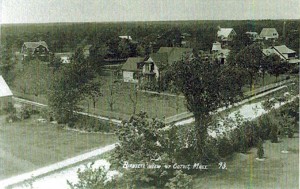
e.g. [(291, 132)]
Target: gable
[(4, 89), (133, 64)]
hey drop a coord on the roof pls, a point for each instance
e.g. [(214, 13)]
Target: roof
[(4, 89), (125, 37), (283, 49), (268, 51), (252, 33), (268, 32), (160, 59), (33, 45), (224, 32), (65, 54), (175, 53), (131, 63)]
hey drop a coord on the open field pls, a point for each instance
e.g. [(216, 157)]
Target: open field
[(244, 171), (28, 145)]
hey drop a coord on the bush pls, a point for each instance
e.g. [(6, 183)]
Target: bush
[(25, 112), (225, 147), (92, 178), (92, 124), (274, 133), (180, 181), (11, 118), (260, 149), (10, 109)]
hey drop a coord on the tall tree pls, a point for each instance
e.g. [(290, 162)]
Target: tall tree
[(249, 60), (206, 87), (70, 85), (277, 66)]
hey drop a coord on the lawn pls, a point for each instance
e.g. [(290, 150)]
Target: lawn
[(28, 145), (244, 171)]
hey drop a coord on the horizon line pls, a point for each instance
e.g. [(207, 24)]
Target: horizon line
[(69, 22)]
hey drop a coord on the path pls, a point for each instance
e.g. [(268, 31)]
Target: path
[(55, 167)]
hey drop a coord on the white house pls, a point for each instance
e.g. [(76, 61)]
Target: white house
[(283, 52), (226, 34), (132, 69), (5, 94), (269, 33)]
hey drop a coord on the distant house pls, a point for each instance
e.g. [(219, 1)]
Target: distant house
[(132, 69), (35, 49), (283, 52), (269, 33), (164, 57), (253, 36), (226, 34), (125, 37), (219, 53), (64, 57), (87, 50), (5, 94)]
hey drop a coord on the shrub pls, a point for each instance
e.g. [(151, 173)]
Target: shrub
[(10, 109), (11, 118), (225, 147), (274, 133), (92, 178), (260, 149), (180, 181), (25, 112), (264, 125), (92, 124)]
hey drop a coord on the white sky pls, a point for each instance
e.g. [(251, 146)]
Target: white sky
[(41, 11)]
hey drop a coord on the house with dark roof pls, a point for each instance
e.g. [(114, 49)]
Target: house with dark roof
[(35, 49), (226, 34), (285, 53), (5, 94), (165, 56), (132, 69), (269, 33)]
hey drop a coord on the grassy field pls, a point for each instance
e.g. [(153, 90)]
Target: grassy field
[(28, 145), (244, 171)]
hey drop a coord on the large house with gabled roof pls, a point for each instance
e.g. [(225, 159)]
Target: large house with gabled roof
[(269, 33), (286, 54), (226, 35), (35, 49)]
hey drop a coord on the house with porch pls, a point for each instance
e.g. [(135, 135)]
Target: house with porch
[(5, 94), (156, 62), (35, 49), (132, 69), (285, 53), (219, 54), (226, 35)]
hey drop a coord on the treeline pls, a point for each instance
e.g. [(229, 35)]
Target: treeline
[(67, 36)]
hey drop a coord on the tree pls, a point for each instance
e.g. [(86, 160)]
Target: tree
[(55, 63), (249, 60), (113, 88), (133, 95), (70, 85), (277, 66), (206, 87)]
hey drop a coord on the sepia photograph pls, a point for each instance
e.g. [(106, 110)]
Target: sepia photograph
[(157, 94)]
